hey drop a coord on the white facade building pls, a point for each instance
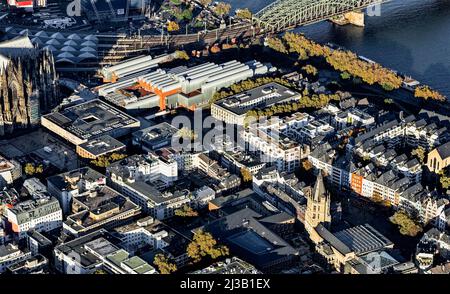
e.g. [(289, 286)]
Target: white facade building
[(42, 214)]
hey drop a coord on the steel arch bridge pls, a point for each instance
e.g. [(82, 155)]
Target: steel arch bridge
[(285, 14)]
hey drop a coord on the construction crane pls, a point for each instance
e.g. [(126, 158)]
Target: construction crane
[(127, 9), (112, 8), (95, 10)]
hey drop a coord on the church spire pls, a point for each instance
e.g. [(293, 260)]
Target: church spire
[(319, 188)]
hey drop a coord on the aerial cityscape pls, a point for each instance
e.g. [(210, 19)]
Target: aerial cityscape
[(193, 137)]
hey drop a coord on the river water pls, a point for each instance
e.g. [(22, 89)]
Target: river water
[(411, 36)]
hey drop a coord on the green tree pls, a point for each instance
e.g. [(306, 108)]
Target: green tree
[(100, 272), (406, 225), (187, 14), (186, 211), (164, 265), (345, 75), (203, 244)]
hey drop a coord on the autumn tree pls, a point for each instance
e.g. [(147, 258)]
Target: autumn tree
[(444, 179), (205, 3), (173, 26), (246, 175), (276, 44), (117, 156), (419, 152), (203, 244), (30, 169), (39, 169), (106, 160), (313, 101), (406, 225), (377, 198), (343, 61), (186, 211), (181, 54), (426, 92), (187, 133), (243, 13), (311, 70), (222, 9), (307, 165), (164, 265)]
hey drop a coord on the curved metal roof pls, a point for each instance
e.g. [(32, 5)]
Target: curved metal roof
[(38, 41), (50, 47), (65, 55), (58, 36), (87, 55), (68, 49), (74, 37), (41, 34), (89, 44), (88, 49), (24, 32), (65, 60), (53, 42), (91, 38), (70, 43)]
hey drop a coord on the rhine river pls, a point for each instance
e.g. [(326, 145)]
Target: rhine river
[(411, 36)]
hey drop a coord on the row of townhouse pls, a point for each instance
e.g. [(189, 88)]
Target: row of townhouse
[(369, 182), (411, 131), (388, 158)]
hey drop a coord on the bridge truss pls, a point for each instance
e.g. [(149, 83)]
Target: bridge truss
[(285, 14)]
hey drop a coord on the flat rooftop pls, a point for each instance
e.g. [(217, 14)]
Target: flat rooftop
[(85, 246), (156, 134), (5, 165), (69, 180), (91, 119), (100, 205), (230, 266), (102, 145), (259, 97)]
